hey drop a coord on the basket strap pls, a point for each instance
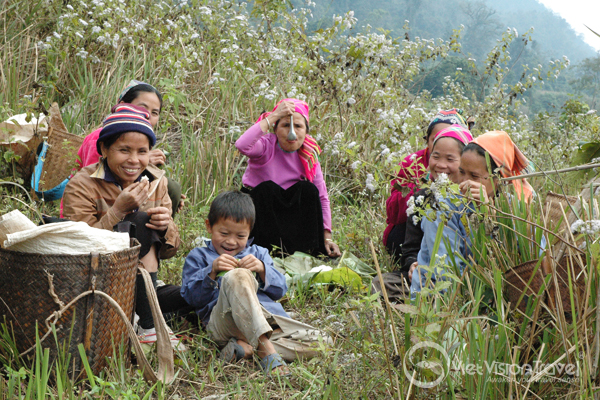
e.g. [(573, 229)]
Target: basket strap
[(166, 369), (87, 341)]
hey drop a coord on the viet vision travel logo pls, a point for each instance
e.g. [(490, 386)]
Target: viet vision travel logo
[(427, 364)]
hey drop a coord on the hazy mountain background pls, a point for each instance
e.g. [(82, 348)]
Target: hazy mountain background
[(484, 22)]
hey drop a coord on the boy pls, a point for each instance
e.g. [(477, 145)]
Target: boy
[(234, 307)]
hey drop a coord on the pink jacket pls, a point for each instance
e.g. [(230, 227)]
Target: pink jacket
[(87, 152), (412, 171)]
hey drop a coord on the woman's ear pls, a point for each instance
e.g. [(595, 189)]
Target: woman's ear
[(103, 150)]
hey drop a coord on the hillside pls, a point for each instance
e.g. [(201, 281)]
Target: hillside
[(483, 22)]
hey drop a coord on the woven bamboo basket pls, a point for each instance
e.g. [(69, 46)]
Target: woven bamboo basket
[(517, 283), (25, 300), (552, 208), (61, 157)]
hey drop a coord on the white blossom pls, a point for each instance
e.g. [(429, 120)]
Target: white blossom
[(410, 206), (371, 184), (586, 227)]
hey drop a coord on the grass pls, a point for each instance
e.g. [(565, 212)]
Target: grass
[(210, 99)]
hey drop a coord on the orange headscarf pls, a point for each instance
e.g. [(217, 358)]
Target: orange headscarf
[(509, 159)]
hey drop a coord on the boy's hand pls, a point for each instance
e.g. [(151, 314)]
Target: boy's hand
[(253, 264), (224, 262)]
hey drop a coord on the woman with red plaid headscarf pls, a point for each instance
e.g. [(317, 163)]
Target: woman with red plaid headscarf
[(285, 181)]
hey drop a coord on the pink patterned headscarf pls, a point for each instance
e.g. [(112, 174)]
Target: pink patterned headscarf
[(310, 150), (455, 131)]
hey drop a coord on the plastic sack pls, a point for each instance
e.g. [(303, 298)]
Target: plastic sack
[(22, 136), (13, 222), (66, 238)]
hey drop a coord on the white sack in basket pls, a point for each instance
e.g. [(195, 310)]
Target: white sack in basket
[(13, 222), (67, 238)]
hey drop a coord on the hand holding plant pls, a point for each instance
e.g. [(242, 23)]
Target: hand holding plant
[(223, 263)]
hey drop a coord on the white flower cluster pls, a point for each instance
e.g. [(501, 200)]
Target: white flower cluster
[(410, 206), (590, 227), (234, 129), (371, 184), (436, 187), (216, 77), (333, 146)]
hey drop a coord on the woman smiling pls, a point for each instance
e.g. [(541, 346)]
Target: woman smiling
[(124, 186)]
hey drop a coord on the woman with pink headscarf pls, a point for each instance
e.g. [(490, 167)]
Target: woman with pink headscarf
[(446, 148), (285, 181)]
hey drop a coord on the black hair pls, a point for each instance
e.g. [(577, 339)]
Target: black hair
[(233, 205), (461, 145), (430, 129), (481, 151), (305, 123), (134, 92)]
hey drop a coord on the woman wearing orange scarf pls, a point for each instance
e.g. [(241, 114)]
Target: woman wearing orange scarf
[(505, 159)]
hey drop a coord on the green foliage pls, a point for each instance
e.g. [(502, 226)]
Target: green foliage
[(372, 93)]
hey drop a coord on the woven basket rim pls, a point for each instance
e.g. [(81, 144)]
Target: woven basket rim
[(133, 245)]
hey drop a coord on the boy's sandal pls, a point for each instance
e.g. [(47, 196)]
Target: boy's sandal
[(232, 352), (272, 361)]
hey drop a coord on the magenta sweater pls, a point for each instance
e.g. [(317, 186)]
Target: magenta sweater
[(268, 162)]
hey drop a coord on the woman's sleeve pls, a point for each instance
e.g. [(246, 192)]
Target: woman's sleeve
[(452, 239), (396, 205), (80, 205), (250, 143), (412, 244), (172, 239), (403, 187), (88, 154), (319, 182)]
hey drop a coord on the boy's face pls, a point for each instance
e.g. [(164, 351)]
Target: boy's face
[(228, 236)]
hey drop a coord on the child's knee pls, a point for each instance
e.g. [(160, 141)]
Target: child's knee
[(238, 276)]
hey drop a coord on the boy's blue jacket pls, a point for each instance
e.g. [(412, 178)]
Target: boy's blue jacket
[(201, 292)]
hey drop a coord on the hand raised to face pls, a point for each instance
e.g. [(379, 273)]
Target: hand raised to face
[(131, 198)]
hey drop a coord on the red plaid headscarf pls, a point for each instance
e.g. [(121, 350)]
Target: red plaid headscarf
[(310, 150)]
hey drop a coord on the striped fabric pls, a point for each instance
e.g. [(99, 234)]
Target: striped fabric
[(126, 118), (457, 132), (452, 117)]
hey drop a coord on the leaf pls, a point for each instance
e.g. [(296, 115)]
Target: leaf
[(442, 285), (587, 152), (433, 328), (594, 32), (406, 308)]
